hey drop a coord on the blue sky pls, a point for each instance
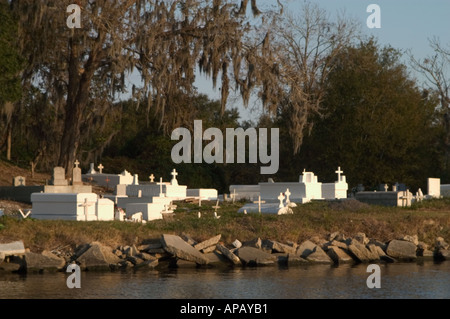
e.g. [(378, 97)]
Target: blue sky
[(405, 25)]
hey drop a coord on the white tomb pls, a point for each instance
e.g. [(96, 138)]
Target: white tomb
[(150, 211), (336, 190), (69, 206), (445, 190), (108, 180), (305, 190), (262, 207), (434, 187), (203, 193)]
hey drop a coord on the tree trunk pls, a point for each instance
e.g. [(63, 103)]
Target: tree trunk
[(8, 142), (77, 97)]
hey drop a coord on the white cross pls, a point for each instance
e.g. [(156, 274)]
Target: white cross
[(77, 163), (152, 178), (217, 206), (287, 193), (280, 198), (386, 187), (174, 179), (259, 202), (234, 195), (339, 172), (100, 168), (160, 187), (86, 208)]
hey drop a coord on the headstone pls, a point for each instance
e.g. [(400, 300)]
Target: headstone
[(281, 198), (59, 177), (434, 187), (152, 178), (19, 181), (100, 168), (91, 169), (386, 187), (174, 179), (135, 179), (76, 174)]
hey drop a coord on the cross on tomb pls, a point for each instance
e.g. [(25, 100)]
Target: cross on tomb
[(280, 198), (152, 178), (160, 187), (76, 163), (86, 208), (287, 193), (100, 168), (259, 202), (386, 187), (174, 179), (234, 195), (21, 180), (339, 172)]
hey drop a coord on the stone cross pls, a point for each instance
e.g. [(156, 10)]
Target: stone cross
[(86, 208), (174, 179), (160, 187), (287, 193), (217, 206), (339, 172), (21, 180), (152, 178), (280, 198), (76, 163), (234, 195), (259, 202), (100, 168), (386, 187)]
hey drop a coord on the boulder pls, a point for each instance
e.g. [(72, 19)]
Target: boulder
[(440, 243), (338, 255), (12, 266), (361, 253), (412, 239), (208, 243), (237, 244), (443, 254), (378, 243), (44, 261), (176, 246), (279, 247), (362, 238), (148, 264), (255, 257), (305, 249), (294, 260), (188, 239), (217, 259), (15, 248), (228, 254), (255, 243), (150, 246), (209, 249), (401, 249), (319, 256), (131, 250), (98, 257), (332, 236)]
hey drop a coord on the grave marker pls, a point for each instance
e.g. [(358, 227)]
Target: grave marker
[(100, 168)]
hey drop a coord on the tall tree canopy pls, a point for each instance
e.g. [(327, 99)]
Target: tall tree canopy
[(378, 125), (81, 71)]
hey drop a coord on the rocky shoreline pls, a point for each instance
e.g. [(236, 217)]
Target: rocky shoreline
[(172, 251)]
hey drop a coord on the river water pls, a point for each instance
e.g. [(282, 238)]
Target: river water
[(399, 280)]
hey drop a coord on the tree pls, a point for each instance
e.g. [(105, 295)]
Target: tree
[(296, 63), (436, 70), (10, 69), (82, 71), (378, 125)]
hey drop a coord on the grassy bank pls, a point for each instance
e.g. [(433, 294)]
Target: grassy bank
[(428, 220)]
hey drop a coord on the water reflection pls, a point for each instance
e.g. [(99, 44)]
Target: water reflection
[(409, 280)]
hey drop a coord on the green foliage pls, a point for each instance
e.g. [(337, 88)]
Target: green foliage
[(10, 60), (377, 126)]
